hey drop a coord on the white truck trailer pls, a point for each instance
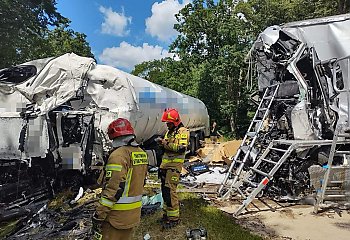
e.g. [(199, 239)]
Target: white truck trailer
[(54, 114)]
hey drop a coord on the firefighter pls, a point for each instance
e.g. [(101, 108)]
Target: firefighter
[(119, 208), (175, 144)]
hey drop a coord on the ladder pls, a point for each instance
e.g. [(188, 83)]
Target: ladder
[(326, 192), (264, 169), (248, 142)]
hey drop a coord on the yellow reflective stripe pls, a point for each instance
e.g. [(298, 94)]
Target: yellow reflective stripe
[(97, 236), (184, 135), (174, 213), (175, 160), (183, 141), (127, 183), (114, 167), (122, 206), (139, 158), (130, 199), (175, 179), (174, 146), (166, 135), (127, 206), (106, 202)]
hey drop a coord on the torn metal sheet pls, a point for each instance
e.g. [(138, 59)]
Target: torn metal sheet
[(215, 176), (57, 82), (301, 126)]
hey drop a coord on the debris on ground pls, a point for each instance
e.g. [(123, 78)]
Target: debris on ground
[(197, 233), (151, 204), (219, 153)]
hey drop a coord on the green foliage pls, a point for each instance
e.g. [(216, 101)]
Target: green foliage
[(63, 40), (25, 32), (212, 45)]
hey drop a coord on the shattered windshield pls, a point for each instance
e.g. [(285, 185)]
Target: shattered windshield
[(17, 74)]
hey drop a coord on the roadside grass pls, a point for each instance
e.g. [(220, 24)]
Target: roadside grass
[(7, 227), (195, 212)]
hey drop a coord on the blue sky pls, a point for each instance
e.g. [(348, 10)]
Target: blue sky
[(123, 33)]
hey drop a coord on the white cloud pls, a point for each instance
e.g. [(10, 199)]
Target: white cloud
[(127, 56), (114, 23), (161, 23)]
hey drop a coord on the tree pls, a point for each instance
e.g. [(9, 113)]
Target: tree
[(25, 32), (22, 26), (215, 39), (63, 40), (170, 73), (213, 42)]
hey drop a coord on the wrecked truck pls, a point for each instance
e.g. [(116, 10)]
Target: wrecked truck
[(54, 114), (302, 70)]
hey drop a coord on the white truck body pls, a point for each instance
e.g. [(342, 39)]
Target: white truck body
[(71, 86)]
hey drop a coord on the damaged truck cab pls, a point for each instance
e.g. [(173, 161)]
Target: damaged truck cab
[(302, 71), (54, 114)]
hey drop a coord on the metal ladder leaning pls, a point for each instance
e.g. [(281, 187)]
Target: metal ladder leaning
[(321, 193), (265, 167), (249, 139)]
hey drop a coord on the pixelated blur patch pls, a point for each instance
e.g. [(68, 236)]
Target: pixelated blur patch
[(147, 96), (161, 98), (71, 157)]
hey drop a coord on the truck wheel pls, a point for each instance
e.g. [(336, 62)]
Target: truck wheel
[(193, 145), (198, 144)]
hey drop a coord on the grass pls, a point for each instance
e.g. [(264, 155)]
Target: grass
[(195, 212), (7, 227)]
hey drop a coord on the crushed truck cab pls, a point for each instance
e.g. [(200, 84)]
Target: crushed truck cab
[(54, 114)]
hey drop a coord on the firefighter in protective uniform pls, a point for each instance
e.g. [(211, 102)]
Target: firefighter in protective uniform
[(175, 144), (119, 209)]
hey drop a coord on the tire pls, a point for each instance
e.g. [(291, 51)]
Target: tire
[(192, 145)]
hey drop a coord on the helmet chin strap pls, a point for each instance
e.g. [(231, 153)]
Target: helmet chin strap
[(124, 141)]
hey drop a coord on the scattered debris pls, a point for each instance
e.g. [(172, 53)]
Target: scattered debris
[(197, 234), (151, 204), (79, 195), (147, 236), (196, 168)]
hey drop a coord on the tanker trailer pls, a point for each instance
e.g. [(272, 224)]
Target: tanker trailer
[(54, 114)]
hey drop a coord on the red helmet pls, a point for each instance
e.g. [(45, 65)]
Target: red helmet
[(171, 115), (119, 127)]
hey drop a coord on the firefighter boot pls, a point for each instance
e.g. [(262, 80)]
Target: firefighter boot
[(170, 223), (163, 219)]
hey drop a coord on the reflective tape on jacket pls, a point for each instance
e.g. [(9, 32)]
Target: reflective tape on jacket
[(174, 213), (124, 203), (130, 199), (127, 183), (127, 206), (114, 167), (175, 160), (106, 202), (174, 146)]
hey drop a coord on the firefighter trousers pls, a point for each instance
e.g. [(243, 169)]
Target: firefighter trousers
[(170, 180), (111, 233)]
